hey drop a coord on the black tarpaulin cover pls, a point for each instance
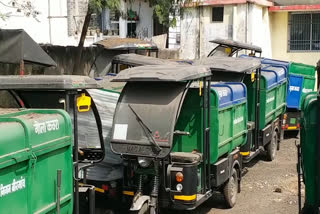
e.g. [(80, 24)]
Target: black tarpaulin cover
[(17, 45)]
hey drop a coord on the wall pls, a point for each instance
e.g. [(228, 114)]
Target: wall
[(212, 30), (280, 41), (248, 23), (189, 34), (195, 43), (36, 28), (259, 29), (240, 24)]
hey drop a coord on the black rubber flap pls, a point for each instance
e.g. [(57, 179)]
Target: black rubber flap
[(235, 44), (50, 82), (139, 60), (164, 73), (17, 45), (157, 105), (229, 69)]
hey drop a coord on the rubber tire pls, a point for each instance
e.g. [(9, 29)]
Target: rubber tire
[(230, 189), (144, 209), (271, 148)]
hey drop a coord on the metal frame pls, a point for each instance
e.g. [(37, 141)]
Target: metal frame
[(257, 109), (206, 184), (318, 152), (72, 97)]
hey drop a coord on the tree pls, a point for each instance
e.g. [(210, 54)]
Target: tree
[(18, 6), (166, 8), (162, 8), (93, 6)]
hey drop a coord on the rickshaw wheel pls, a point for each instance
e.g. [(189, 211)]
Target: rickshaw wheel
[(145, 209), (230, 189), (272, 147)]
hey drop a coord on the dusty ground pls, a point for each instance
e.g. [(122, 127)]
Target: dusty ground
[(258, 194)]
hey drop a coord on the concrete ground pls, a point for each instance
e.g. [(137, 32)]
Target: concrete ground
[(267, 188)]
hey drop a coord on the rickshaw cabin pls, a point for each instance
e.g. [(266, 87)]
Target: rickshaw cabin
[(59, 92)]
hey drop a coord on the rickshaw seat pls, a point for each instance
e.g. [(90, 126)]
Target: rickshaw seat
[(186, 157)]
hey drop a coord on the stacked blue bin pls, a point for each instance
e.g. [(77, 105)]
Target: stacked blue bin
[(230, 93), (294, 81)]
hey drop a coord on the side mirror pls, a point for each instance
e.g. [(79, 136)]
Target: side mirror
[(228, 50), (83, 103), (63, 101)]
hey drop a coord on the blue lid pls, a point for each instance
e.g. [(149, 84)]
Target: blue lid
[(294, 91), (273, 62), (230, 93), (274, 75)]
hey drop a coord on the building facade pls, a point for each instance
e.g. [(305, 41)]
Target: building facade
[(296, 30), (285, 29), (240, 20), (59, 22)]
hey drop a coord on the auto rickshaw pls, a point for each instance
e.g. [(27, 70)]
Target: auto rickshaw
[(179, 133), (54, 92), (228, 47), (69, 93)]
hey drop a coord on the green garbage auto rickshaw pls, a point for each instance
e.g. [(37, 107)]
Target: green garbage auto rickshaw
[(179, 133)]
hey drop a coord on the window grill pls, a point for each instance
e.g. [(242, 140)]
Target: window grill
[(217, 14), (304, 32)]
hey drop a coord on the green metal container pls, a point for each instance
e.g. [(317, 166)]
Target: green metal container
[(309, 80), (228, 126), (302, 69), (34, 145), (273, 94), (308, 141)]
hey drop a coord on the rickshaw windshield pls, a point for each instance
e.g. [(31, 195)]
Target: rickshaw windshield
[(145, 118)]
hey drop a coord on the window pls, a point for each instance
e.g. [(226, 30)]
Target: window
[(217, 14), (304, 32)]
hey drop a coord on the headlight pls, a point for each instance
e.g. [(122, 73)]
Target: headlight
[(179, 187), (144, 162)]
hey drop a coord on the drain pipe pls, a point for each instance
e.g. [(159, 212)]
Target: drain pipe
[(49, 17), (246, 31), (199, 39)]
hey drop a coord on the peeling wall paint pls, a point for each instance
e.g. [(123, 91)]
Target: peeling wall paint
[(243, 22)]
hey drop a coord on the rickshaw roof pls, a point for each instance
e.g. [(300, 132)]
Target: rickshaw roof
[(236, 44), (163, 73), (230, 64), (47, 82), (139, 60)]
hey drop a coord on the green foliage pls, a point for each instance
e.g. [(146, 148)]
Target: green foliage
[(98, 5), (163, 9), (113, 4)]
